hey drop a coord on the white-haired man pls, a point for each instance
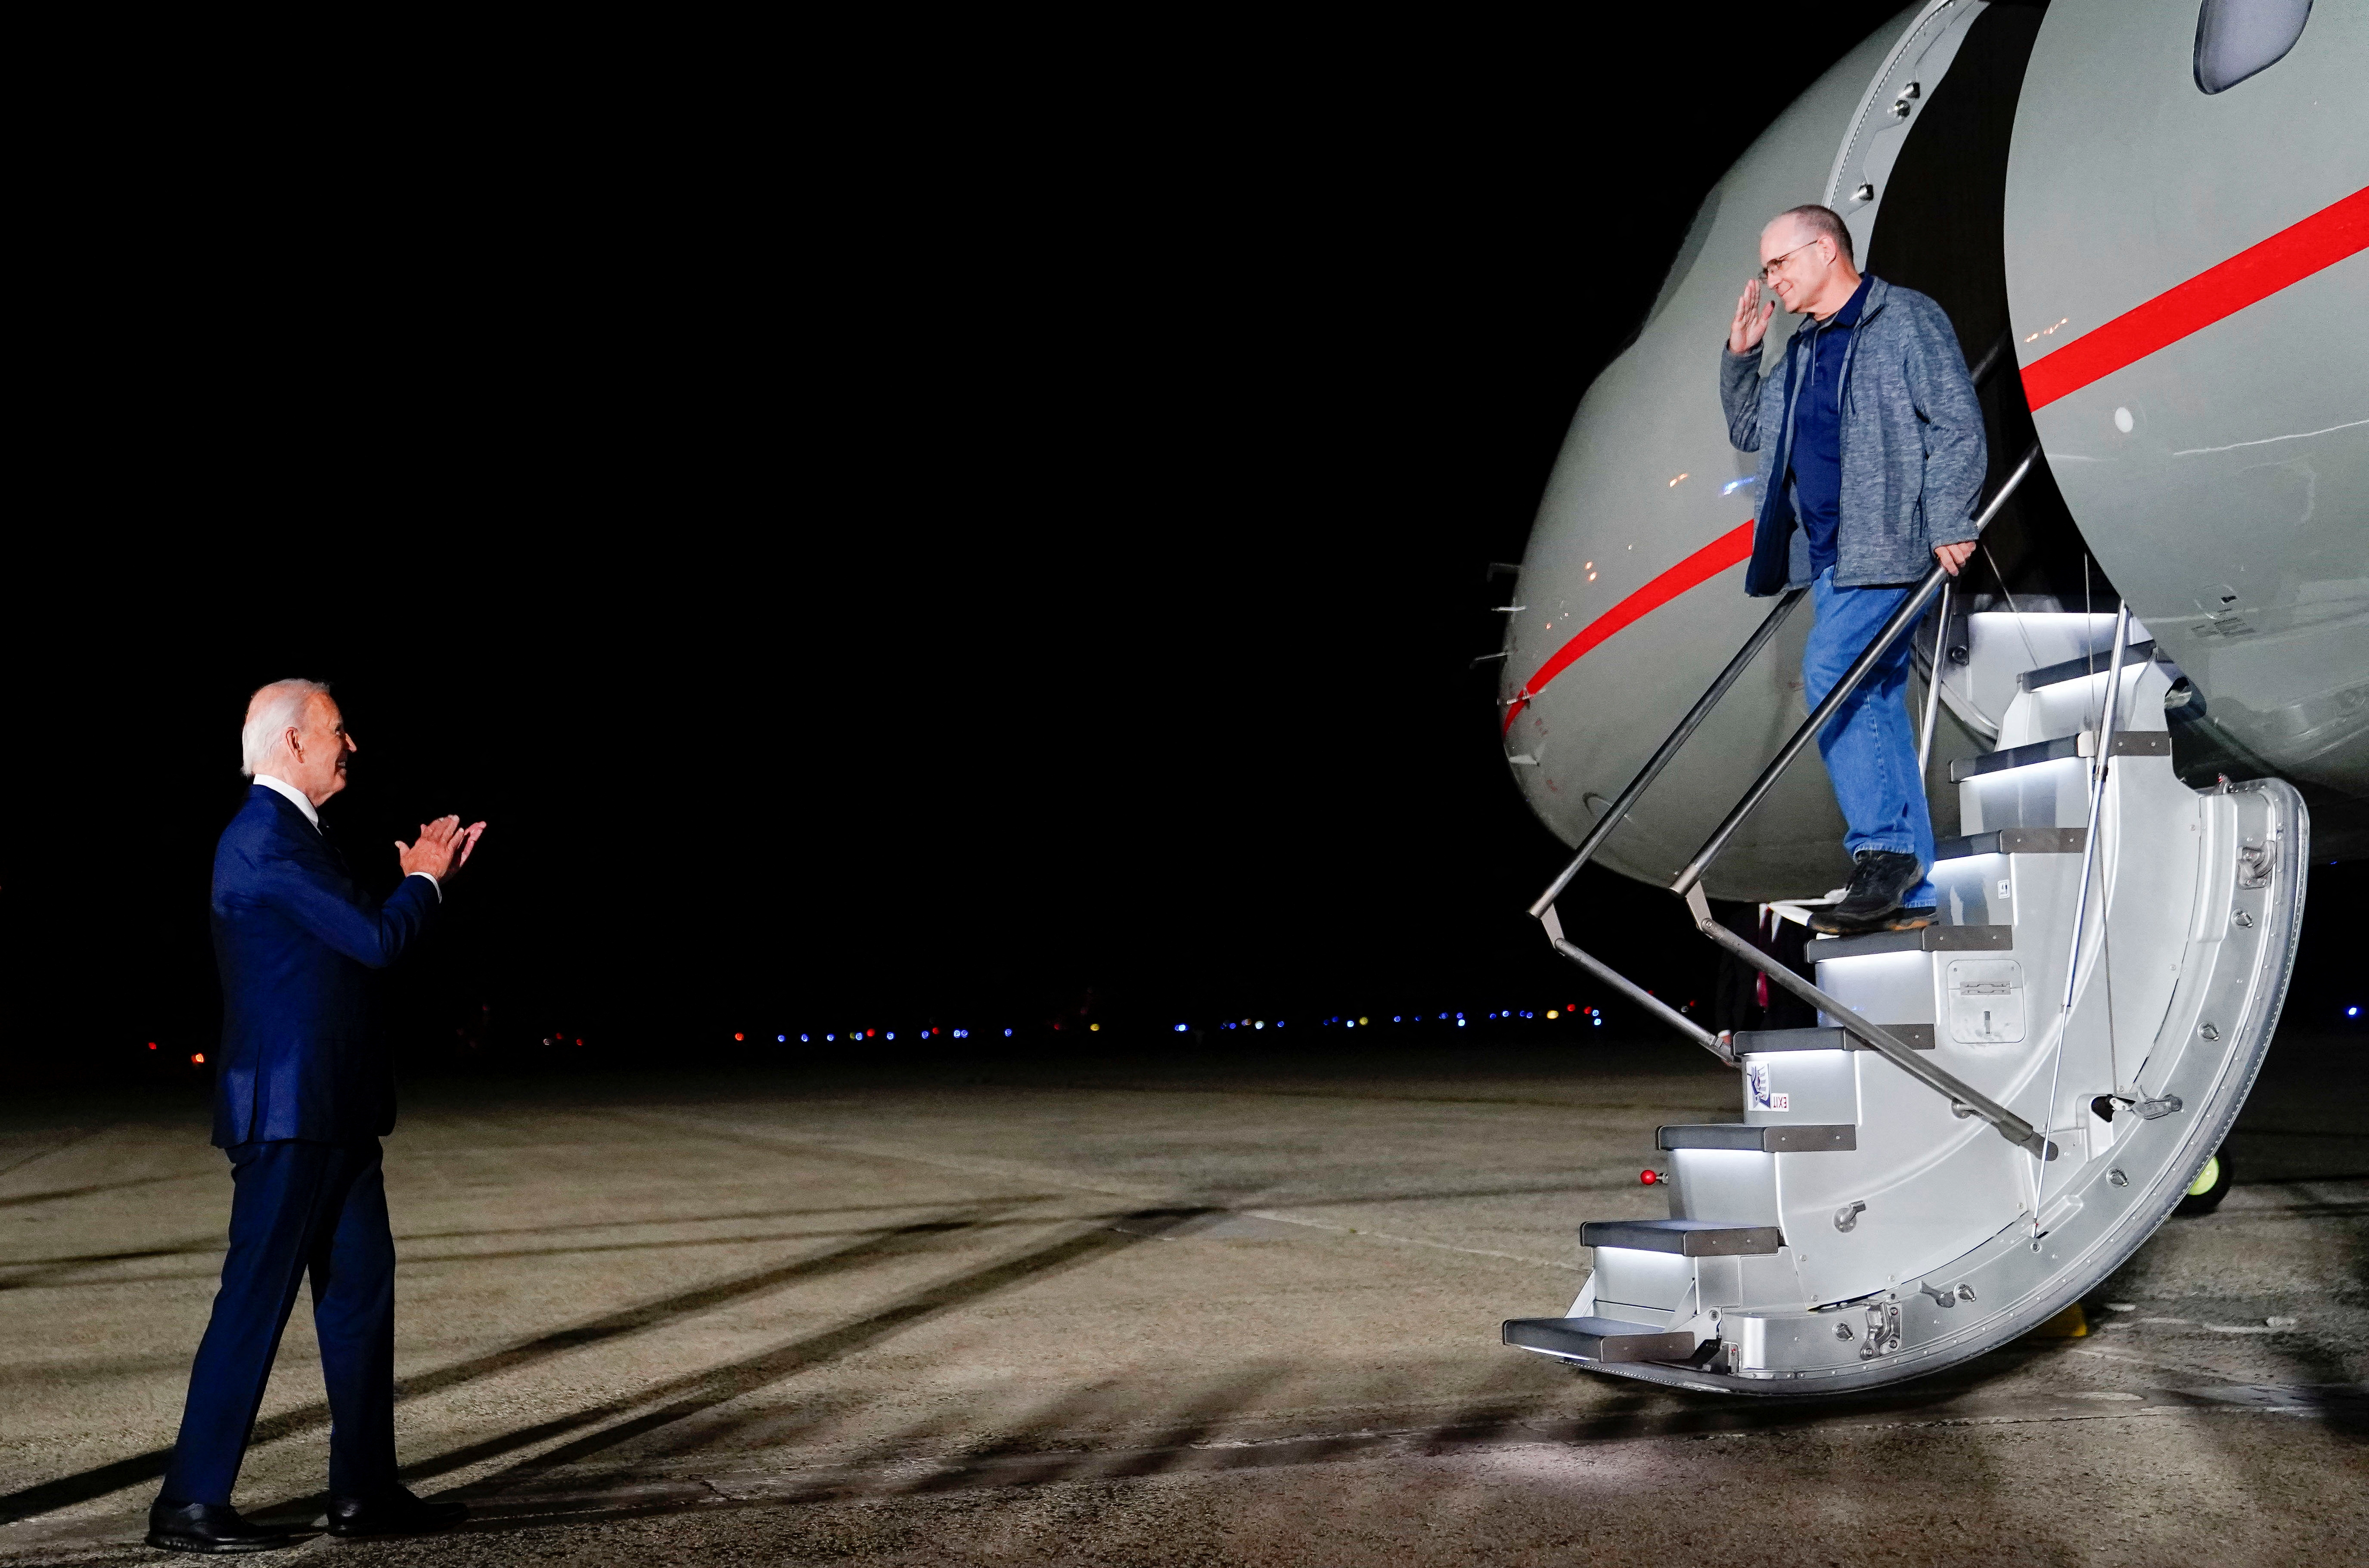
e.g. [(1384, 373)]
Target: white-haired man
[(1871, 458), (302, 1094)]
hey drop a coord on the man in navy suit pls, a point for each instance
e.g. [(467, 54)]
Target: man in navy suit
[(302, 1094)]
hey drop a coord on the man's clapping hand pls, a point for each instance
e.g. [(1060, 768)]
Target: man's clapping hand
[(443, 849)]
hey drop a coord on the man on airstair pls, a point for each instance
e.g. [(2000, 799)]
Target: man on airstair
[(1871, 458)]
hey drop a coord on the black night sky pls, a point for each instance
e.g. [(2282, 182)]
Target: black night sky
[(879, 545)]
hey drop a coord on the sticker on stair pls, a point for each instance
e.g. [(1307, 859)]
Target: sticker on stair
[(1756, 1078), (1985, 1001)]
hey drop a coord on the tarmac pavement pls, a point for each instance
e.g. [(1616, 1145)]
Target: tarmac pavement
[(1237, 1312)]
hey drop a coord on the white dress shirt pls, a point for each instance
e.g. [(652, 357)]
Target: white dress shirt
[(283, 787)]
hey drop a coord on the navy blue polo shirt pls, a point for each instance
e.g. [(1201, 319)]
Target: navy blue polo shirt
[(1817, 451)]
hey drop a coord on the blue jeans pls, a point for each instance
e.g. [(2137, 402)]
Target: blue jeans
[(1869, 745)]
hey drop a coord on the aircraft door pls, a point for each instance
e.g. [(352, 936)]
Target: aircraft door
[(2190, 309)]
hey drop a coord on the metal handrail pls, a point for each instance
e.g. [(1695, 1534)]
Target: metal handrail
[(1967, 1099), (1933, 685), (2097, 795), (1995, 358), (1669, 748), (1633, 992), (1963, 1097), (1902, 619), (2081, 900)]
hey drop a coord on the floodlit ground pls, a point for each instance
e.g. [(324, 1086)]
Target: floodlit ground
[(1238, 1312)]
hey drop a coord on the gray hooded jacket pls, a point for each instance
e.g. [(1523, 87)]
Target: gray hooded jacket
[(1913, 455)]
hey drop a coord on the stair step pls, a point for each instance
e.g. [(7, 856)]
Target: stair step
[(2014, 840), (2077, 669), (2127, 743), (1687, 1237), (1765, 1139), (1760, 1042), (1598, 1339), (1923, 939)]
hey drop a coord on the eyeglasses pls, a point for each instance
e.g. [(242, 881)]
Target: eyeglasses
[(1769, 268)]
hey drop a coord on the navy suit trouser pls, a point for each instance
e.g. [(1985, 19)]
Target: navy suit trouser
[(297, 1208)]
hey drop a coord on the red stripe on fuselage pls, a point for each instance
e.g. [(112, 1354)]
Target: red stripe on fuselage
[(2325, 239), (2320, 241), (1700, 568)]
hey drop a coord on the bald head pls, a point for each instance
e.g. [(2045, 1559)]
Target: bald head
[(1807, 258), (294, 733)]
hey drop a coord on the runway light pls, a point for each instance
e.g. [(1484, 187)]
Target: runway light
[(1350, 1024), (869, 1033), (1552, 1015), (736, 1035), (805, 1039), (1007, 1034), (1459, 1022), (199, 1059), (152, 1044), (785, 1039), (892, 1034), (1180, 1028), (1094, 1028), (831, 1037), (1260, 1024), (2348, 1013), (1365, 1021)]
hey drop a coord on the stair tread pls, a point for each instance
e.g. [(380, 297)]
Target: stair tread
[(1749, 1136), (2127, 743), (1598, 1339), (1686, 1238), (1826, 1037), (1923, 939), (2080, 668), (2014, 840)]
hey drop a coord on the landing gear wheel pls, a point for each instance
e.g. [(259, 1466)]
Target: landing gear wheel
[(2212, 1185)]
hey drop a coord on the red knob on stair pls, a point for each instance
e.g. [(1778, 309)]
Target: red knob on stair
[(1650, 1178)]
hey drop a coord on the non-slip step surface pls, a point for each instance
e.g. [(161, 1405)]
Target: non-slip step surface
[(1762, 1139), (2127, 743), (2014, 840), (1598, 1339), (1761, 1042), (2080, 668), (1923, 939), (1686, 1238)]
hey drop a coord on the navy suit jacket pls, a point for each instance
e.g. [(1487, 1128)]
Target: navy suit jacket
[(292, 935)]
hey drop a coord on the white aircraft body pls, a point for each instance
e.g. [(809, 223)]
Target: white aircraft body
[(2146, 219)]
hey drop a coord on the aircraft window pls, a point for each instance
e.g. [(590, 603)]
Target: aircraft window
[(2235, 39)]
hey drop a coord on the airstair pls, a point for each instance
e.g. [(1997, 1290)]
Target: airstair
[(1993, 1112)]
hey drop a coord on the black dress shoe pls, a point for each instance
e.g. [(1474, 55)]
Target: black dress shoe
[(214, 1526), (1872, 902), (396, 1513)]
